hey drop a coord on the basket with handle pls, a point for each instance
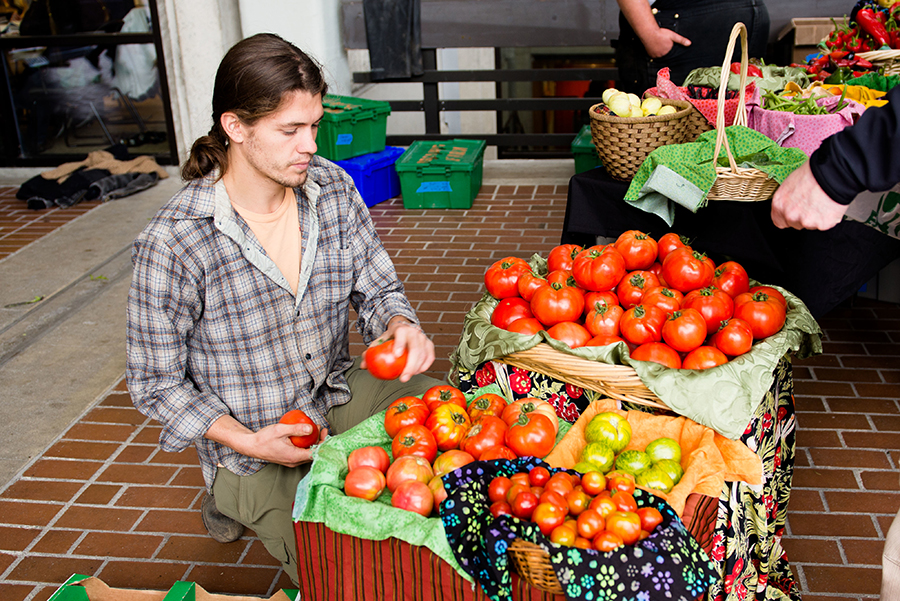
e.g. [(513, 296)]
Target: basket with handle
[(733, 182), (889, 60)]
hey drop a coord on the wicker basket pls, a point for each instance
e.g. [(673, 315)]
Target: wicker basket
[(733, 182), (624, 142), (533, 565), (889, 60), (697, 125)]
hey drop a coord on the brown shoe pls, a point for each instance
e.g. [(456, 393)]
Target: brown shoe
[(221, 528)]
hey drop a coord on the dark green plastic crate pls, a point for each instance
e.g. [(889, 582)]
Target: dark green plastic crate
[(584, 151), (352, 127), (441, 175)]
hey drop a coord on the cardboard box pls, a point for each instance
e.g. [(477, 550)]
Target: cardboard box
[(441, 175), (87, 588), (802, 36), (374, 174)]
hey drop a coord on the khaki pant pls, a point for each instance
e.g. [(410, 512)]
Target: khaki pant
[(263, 501), (890, 563)]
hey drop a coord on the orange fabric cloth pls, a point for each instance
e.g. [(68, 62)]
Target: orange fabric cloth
[(708, 458)]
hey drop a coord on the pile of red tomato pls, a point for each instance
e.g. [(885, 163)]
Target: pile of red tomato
[(441, 421), (590, 511), (670, 303)]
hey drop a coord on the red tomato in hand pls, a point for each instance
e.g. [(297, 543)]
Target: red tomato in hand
[(488, 432), (532, 435), (633, 286), (563, 256), (364, 482), (295, 416), (555, 303), (449, 423), (569, 332), (441, 394), (501, 279), (764, 314), (371, 456), (638, 249), (669, 242), (734, 337), (509, 310), (665, 298), (487, 404), (603, 319), (684, 330), (704, 357), (414, 440), (405, 411), (685, 269), (714, 305), (731, 278), (383, 363), (657, 352), (598, 268), (641, 324), (413, 496)]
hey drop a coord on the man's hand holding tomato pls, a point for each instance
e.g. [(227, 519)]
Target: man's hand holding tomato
[(408, 338), (272, 443)]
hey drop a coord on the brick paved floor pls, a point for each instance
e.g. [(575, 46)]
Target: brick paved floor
[(104, 500)]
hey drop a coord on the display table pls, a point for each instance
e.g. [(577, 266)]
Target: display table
[(822, 268)]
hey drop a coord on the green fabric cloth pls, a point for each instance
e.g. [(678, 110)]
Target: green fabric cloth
[(875, 81), (320, 495), (692, 164), (774, 78), (723, 398)]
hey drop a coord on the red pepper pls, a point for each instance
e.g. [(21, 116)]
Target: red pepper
[(862, 63), (866, 20), (854, 45), (752, 70), (895, 39)]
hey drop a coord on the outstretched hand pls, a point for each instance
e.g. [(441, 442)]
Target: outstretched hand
[(412, 339), (800, 203)]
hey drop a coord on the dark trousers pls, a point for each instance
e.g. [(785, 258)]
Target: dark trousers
[(706, 23)]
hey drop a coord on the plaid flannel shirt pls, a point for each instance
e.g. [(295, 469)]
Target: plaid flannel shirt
[(214, 329)]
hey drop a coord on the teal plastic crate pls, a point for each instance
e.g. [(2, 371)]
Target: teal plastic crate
[(584, 151), (352, 127), (441, 175)]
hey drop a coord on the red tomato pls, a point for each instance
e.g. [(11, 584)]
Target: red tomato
[(603, 505), (521, 478), (598, 268), (603, 340), (509, 310), (532, 435), (619, 481), (714, 305), (405, 411), (563, 535), (529, 326), (555, 303), (413, 496), (488, 432), (607, 541), (685, 330), (731, 278), (764, 314), (665, 298), (603, 319), (501, 279), (414, 440), (641, 324), (589, 523), (626, 524), (441, 394), (704, 357), (650, 518), (449, 423), (592, 297), (593, 483), (487, 404), (656, 269), (408, 467), (523, 504), (450, 461), (383, 363), (562, 257), (548, 516), (295, 416), (773, 294), (498, 488), (569, 332), (657, 352), (364, 482), (685, 269), (577, 501), (638, 249), (371, 456), (734, 337), (528, 283), (669, 242), (499, 508), (530, 405), (624, 501), (436, 485), (563, 277), (515, 490), (538, 475), (633, 286), (560, 483), (501, 452)]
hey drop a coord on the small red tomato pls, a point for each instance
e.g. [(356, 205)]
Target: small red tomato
[(364, 482), (589, 523), (572, 334), (607, 541), (638, 249), (658, 352), (371, 456), (295, 416), (684, 330), (731, 278), (704, 357), (626, 524), (498, 488), (714, 305), (538, 475), (734, 337), (764, 314), (414, 496), (523, 504), (383, 363), (624, 501), (669, 242), (563, 256), (650, 518), (548, 516), (593, 483), (499, 508), (509, 310), (501, 279)]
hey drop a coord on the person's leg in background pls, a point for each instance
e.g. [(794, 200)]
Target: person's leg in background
[(890, 563)]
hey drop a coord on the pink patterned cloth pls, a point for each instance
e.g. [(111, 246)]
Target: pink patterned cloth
[(707, 107), (805, 132)]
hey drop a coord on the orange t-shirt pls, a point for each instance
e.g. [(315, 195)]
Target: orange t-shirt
[(280, 236)]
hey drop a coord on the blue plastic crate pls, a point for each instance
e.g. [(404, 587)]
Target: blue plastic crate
[(374, 174)]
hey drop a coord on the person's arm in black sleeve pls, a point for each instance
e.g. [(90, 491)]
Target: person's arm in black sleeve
[(864, 156)]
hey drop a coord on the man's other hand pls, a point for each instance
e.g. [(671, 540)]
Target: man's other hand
[(800, 203)]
